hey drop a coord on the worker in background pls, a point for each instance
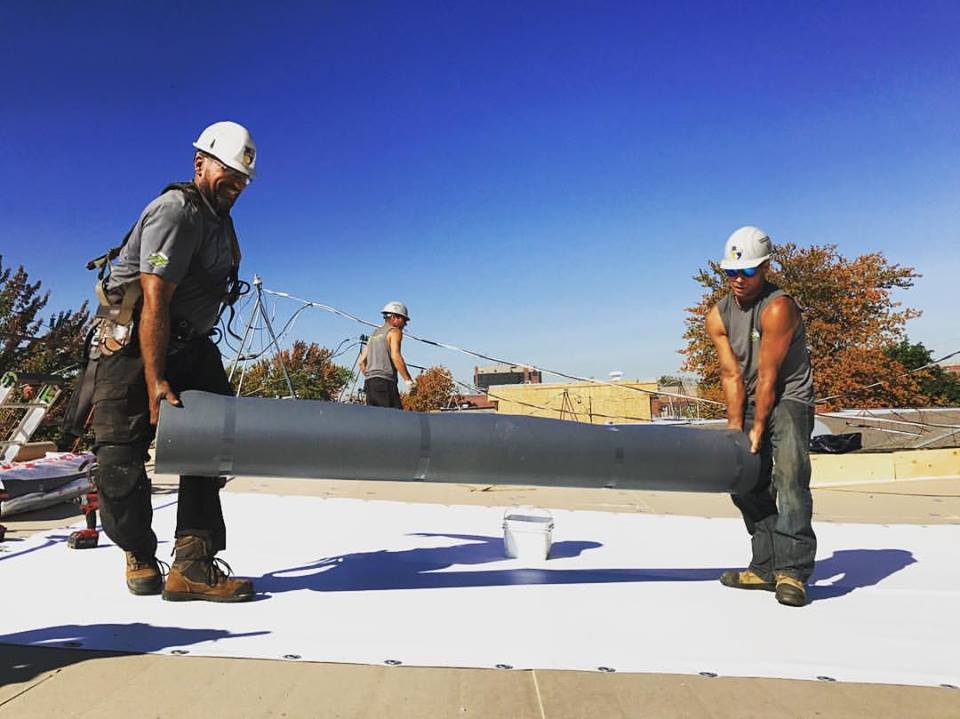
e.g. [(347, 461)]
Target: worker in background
[(760, 338), (176, 270), (381, 360)]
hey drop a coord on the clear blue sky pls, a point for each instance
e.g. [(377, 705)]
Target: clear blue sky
[(537, 180)]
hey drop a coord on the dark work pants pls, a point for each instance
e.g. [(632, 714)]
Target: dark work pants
[(779, 512), (121, 423), (382, 393)]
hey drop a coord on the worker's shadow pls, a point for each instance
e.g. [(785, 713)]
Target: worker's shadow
[(20, 663), (429, 568), (849, 569)]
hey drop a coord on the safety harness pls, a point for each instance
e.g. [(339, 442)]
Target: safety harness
[(119, 307)]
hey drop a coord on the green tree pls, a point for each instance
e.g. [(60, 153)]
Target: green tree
[(32, 342), (433, 390), (851, 317), (939, 386), (312, 374)]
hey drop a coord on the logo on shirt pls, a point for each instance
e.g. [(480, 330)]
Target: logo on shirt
[(755, 335), (158, 259)]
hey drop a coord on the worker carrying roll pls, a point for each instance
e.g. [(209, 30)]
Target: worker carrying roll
[(216, 435)]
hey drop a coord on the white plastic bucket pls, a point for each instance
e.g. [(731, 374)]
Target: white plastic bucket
[(527, 533)]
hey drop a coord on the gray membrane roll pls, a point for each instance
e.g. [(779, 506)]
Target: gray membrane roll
[(213, 435)]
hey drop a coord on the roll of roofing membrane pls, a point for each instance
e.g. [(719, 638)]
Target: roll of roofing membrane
[(213, 435)]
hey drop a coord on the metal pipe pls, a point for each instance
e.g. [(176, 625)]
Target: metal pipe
[(212, 435)]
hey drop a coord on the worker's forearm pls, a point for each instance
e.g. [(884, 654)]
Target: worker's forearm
[(402, 368), (764, 399), (154, 338), (735, 394)]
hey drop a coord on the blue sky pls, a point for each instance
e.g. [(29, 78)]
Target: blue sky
[(537, 180)]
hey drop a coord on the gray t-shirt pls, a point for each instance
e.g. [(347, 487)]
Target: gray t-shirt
[(187, 244)]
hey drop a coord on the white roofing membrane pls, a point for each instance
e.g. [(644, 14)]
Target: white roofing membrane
[(373, 582)]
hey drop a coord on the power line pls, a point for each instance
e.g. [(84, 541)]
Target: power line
[(886, 381), (481, 355), (490, 358)]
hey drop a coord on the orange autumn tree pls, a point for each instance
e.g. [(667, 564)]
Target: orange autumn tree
[(852, 322), (431, 391)]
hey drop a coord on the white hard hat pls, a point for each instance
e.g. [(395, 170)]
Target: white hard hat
[(747, 247), (231, 144), (395, 308)]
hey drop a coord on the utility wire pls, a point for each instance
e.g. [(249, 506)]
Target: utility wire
[(481, 355), (558, 373), (546, 408), (883, 382)]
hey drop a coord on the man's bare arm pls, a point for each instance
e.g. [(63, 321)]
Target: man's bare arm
[(778, 323), (154, 337), (731, 378), (394, 338), (362, 362)]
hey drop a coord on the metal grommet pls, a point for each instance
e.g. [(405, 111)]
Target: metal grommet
[(709, 675), (291, 656), (180, 651), (825, 678), (392, 662), (504, 666), (609, 670)]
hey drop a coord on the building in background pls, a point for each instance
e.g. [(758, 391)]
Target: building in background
[(623, 402), (499, 374), (678, 401), (471, 403)]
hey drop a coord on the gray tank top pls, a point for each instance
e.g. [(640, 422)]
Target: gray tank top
[(795, 381), (379, 363)]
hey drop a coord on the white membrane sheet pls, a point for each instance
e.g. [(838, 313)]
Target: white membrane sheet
[(343, 580)]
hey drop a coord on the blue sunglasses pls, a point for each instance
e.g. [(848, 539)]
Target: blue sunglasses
[(746, 272)]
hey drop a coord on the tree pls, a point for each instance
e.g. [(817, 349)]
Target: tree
[(312, 374), (939, 386), (31, 343), (851, 319), (433, 390)]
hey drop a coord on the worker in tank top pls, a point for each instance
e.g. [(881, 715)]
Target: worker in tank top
[(381, 360), (760, 338)]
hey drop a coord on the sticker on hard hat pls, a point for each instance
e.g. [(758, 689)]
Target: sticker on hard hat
[(248, 155), (735, 252), (158, 259)]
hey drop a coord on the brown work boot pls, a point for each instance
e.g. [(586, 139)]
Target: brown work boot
[(746, 579), (143, 574), (790, 591), (196, 574)]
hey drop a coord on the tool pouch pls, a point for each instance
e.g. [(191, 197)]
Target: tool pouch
[(115, 317)]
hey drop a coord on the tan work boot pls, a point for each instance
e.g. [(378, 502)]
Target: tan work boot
[(746, 579), (143, 575), (195, 574), (790, 591)]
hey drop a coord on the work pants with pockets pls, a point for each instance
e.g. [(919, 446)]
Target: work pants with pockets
[(778, 513), (121, 423)]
